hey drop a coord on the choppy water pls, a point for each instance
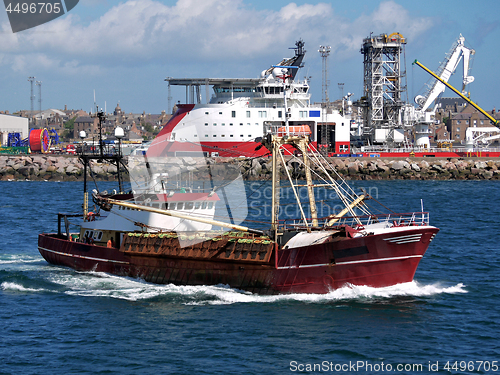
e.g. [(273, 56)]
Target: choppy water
[(55, 320)]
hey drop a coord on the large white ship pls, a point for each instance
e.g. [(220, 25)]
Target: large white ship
[(243, 110)]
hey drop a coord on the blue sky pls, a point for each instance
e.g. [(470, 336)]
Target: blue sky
[(124, 49)]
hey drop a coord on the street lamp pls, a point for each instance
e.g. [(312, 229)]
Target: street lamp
[(119, 133)]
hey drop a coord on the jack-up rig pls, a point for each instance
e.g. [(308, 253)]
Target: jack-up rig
[(387, 118)]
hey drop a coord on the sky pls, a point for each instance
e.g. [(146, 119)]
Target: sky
[(123, 50)]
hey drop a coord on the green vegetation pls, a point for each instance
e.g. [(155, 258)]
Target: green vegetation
[(70, 124), (68, 129)]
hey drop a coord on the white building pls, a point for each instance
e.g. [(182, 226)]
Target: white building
[(49, 113), (12, 124)]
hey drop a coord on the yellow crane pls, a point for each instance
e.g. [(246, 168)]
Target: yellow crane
[(493, 120)]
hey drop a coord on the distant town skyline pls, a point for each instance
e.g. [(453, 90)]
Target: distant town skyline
[(125, 50)]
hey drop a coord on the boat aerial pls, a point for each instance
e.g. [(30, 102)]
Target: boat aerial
[(179, 222)]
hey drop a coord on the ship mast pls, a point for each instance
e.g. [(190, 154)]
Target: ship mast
[(102, 153), (300, 141)]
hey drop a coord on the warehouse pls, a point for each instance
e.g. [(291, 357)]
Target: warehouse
[(12, 124)]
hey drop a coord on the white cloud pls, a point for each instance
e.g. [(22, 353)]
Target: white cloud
[(140, 31)]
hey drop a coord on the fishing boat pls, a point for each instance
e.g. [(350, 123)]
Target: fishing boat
[(165, 232)]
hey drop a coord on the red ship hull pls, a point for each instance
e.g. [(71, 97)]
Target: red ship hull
[(374, 260), (252, 149)]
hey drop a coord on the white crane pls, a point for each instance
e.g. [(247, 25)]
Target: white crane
[(480, 137), (446, 69), (423, 117)]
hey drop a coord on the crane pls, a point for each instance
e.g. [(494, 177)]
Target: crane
[(444, 72), (473, 135), (445, 83), (422, 116)]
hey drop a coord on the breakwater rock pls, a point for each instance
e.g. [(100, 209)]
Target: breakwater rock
[(69, 168), (42, 167), (387, 169)]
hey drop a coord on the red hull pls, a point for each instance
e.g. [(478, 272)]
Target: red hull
[(374, 260), (436, 154), (253, 149)]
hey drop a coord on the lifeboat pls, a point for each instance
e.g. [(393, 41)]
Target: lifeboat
[(295, 130)]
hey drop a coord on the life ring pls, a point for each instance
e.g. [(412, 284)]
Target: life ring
[(90, 216)]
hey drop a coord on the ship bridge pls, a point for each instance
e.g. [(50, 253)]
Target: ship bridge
[(228, 89), (224, 88)]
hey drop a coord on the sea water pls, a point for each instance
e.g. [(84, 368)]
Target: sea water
[(55, 320)]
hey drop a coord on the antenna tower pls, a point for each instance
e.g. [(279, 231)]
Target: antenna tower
[(325, 51), (39, 84), (169, 98), (32, 97)]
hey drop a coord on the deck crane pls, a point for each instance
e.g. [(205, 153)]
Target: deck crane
[(474, 135), (444, 72)]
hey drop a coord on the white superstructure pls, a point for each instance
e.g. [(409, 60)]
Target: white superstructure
[(243, 110)]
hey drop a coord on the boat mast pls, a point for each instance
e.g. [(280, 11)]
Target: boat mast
[(299, 141), (303, 145), (275, 185), (102, 153)]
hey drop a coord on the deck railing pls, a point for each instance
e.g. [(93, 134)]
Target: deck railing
[(378, 149), (390, 220)]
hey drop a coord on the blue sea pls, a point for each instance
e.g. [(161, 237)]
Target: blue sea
[(55, 320)]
